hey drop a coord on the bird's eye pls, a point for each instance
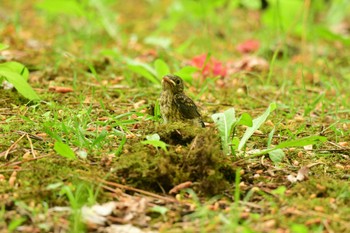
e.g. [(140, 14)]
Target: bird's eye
[(177, 82)]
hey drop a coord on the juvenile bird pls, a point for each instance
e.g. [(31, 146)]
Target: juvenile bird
[(175, 106)]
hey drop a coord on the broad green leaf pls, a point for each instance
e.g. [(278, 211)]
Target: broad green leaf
[(146, 66), (3, 46), (20, 84), (58, 7), (154, 140), (311, 140), (162, 68), (245, 119), (143, 72), (186, 73), (276, 155), (64, 150), (224, 122), (15, 67), (256, 124)]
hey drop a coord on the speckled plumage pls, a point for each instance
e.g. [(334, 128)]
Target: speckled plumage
[(175, 106)]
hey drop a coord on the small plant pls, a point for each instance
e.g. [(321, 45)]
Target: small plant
[(155, 73), (155, 141), (17, 74), (226, 123)]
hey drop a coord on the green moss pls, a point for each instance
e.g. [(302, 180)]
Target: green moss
[(194, 154)]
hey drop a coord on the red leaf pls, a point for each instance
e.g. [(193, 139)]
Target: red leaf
[(248, 46), (209, 67)]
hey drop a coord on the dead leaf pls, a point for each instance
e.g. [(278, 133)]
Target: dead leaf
[(139, 104), (13, 178), (179, 187), (97, 213), (60, 89), (344, 144), (127, 228), (302, 175), (248, 63), (308, 147)]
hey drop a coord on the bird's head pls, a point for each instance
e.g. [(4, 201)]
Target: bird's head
[(173, 83)]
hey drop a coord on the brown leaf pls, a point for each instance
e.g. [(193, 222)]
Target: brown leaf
[(13, 178), (303, 173), (60, 89)]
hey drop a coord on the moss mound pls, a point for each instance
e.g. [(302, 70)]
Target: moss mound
[(194, 154)]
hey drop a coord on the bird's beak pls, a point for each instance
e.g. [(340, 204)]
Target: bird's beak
[(168, 80)]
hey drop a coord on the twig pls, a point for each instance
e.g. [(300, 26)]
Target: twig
[(13, 145), (31, 146), (30, 135), (24, 161), (137, 190)]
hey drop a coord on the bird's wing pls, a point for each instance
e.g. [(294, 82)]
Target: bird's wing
[(186, 106)]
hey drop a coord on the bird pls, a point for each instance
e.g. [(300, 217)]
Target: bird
[(175, 106)]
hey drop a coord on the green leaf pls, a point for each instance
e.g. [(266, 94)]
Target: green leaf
[(3, 46), (310, 107), (58, 7), (186, 73), (15, 67), (64, 150), (245, 119), (16, 222), (224, 122), (146, 66), (143, 72), (256, 124), (276, 155), (162, 68), (20, 84), (270, 137), (100, 138), (311, 140), (235, 143), (154, 140), (143, 69)]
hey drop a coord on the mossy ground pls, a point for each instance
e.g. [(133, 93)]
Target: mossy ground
[(107, 117)]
